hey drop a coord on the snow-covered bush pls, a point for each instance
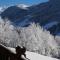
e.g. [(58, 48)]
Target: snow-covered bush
[(35, 39), (8, 34)]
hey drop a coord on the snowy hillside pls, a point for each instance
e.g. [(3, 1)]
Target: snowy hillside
[(34, 56), (34, 38)]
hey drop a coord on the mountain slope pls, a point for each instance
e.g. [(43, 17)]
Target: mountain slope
[(44, 14)]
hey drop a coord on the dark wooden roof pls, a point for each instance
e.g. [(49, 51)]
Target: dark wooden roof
[(6, 50)]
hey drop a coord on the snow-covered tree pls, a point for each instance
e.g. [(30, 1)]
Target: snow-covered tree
[(35, 39), (57, 38), (8, 34)]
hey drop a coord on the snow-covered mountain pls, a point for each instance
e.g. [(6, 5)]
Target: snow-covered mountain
[(46, 14), (1, 9), (23, 6)]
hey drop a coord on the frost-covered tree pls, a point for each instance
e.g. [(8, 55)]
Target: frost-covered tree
[(57, 38), (8, 34), (35, 39)]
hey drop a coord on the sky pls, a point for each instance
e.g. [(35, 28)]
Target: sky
[(14, 2)]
